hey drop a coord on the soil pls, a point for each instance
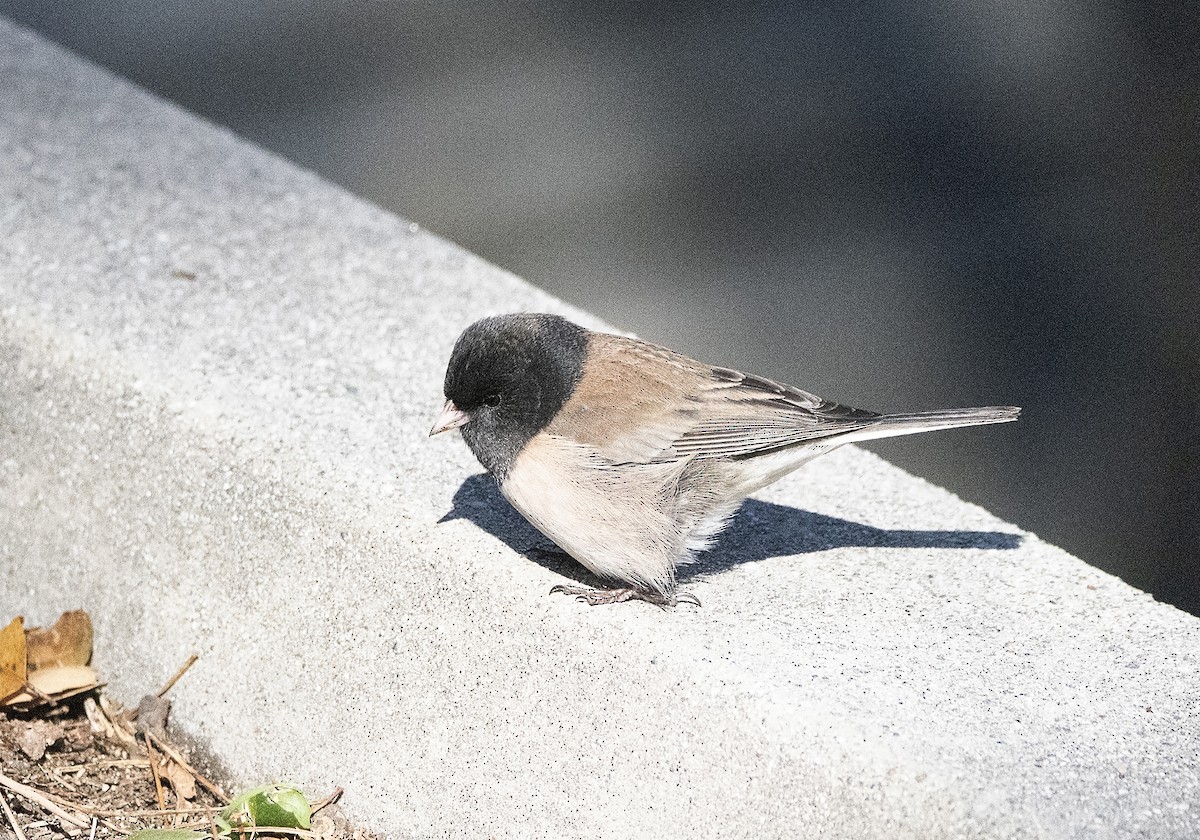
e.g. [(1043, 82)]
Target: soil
[(100, 778)]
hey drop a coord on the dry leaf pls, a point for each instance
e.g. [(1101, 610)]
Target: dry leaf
[(323, 827), (57, 683), (12, 658), (67, 643), (181, 780), (122, 728), (99, 723), (152, 716), (36, 736)]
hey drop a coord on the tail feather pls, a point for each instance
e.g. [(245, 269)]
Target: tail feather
[(890, 425)]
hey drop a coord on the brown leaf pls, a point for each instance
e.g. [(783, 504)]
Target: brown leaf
[(121, 726), (36, 736), (323, 827), (97, 719), (181, 780), (152, 716), (12, 658), (67, 643), (57, 683)]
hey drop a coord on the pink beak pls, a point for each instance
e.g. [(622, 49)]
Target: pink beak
[(451, 418)]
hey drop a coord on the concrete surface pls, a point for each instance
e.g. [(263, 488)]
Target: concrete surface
[(216, 378)]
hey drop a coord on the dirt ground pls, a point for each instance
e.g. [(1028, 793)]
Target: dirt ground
[(82, 768)]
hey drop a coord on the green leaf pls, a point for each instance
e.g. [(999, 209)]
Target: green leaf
[(278, 806)]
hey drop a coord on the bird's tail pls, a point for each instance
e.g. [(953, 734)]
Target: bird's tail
[(890, 425)]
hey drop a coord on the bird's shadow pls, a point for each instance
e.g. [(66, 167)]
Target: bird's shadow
[(758, 531)]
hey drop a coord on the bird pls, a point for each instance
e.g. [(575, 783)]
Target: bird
[(631, 457)]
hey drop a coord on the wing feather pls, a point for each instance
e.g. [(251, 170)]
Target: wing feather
[(639, 403)]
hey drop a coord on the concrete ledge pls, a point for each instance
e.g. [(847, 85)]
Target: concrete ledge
[(216, 377)]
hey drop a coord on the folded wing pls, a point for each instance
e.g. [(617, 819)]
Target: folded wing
[(639, 403)]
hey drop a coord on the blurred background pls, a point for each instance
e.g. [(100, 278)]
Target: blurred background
[(901, 205)]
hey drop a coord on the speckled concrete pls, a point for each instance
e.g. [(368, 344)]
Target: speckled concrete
[(216, 377)]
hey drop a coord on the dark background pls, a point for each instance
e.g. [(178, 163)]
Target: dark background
[(896, 205)]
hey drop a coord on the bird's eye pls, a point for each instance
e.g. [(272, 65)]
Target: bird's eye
[(492, 400)]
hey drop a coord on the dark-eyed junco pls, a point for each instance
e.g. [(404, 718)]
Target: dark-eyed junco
[(631, 457)]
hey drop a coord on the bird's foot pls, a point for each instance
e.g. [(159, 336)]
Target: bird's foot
[(595, 597)]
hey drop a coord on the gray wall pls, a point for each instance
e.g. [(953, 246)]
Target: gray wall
[(900, 206)]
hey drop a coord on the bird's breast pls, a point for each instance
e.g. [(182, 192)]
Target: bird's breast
[(615, 519)]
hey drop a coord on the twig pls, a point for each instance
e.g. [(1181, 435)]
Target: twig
[(12, 818), (108, 812), (169, 684), (328, 800), (119, 727), (115, 829), (92, 833), (251, 830), (212, 826), (44, 801), (158, 791), (112, 762), (183, 669), (179, 759), (55, 777), (38, 694)]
